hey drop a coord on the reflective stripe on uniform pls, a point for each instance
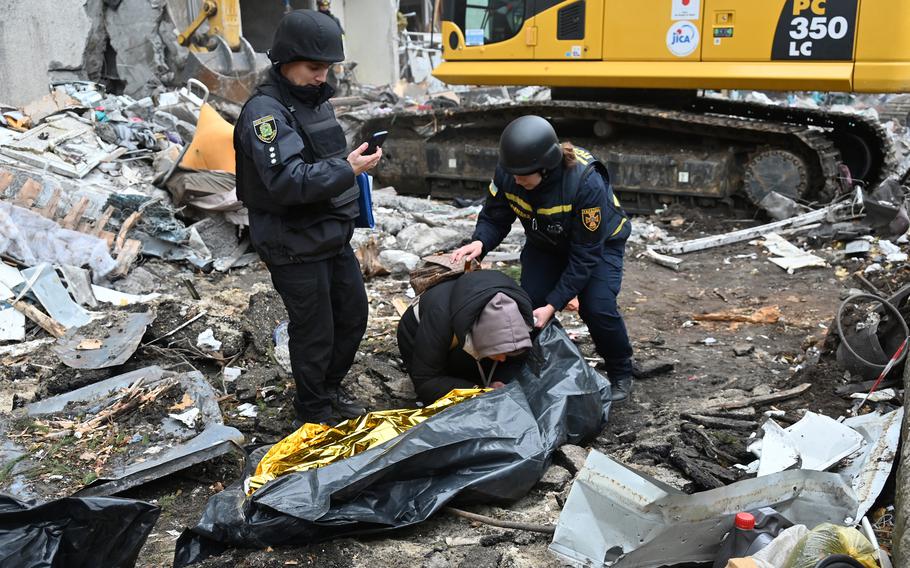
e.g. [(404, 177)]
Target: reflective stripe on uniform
[(619, 228), (521, 213), (555, 210), (520, 202)]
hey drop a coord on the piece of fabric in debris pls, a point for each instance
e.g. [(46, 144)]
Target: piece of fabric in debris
[(317, 445), (32, 239), (491, 448)]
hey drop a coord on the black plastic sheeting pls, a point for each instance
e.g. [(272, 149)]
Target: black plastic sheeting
[(492, 448), (74, 532)]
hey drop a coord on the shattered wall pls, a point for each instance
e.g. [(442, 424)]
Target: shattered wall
[(46, 40), (371, 39), (36, 37)]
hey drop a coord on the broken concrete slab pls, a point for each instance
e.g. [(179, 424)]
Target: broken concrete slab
[(616, 517)]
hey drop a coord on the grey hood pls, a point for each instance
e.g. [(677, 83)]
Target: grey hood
[(500, 328)]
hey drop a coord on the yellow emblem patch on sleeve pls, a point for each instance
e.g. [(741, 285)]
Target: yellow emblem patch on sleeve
[(590, 218), (493, 189)]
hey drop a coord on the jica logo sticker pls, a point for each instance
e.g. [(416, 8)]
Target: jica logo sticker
[(682, 38)]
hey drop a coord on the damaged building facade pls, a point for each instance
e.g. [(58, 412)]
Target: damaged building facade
[(131, 47)]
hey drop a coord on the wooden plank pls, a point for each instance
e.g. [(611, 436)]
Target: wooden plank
[(765, 398), (50, 210), (27, 193), (102, 221), (721, 423), (46, 322), (126, 256), (750, 233), (6, 179), (126, 228), (401, 306), (75, 214)]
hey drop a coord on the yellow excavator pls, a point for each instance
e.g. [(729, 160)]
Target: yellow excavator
[(227, 41), (628, 81)]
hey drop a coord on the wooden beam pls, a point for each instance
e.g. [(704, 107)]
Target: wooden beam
[(46, 322), (765, 398), (6, 179), (75, 214), (50, 210), (102, 221), (750, 233), (126, 256), (126, 228), (27, 193)]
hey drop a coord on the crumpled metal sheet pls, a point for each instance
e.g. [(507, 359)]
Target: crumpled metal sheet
[(490, 448), (214, 440), (617, 517), (318, 445), (869, 469), (49, 290), (87, 348)]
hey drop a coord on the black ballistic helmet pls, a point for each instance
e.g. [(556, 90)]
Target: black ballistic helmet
[(307, 35), (529, 144)]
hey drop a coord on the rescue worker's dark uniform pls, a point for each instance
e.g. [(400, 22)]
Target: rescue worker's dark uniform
[(293, 176), (576, 234), (431, 335)]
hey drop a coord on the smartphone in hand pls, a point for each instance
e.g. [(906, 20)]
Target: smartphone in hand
[(375, 142)]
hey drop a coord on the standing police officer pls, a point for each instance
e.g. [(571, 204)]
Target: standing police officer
[(575, 230), (325, 7), (297, 179)]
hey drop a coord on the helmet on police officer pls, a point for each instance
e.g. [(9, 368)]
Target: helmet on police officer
[(307, 35), (529, 144), (323, 3)]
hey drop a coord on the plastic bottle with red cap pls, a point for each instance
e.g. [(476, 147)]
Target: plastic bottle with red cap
[(750, 533)]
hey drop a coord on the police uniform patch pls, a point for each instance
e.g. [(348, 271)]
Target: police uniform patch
[(265, 128), (493, 189), (591, 218)]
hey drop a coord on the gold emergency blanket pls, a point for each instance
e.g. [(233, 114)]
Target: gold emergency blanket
[(317, 445)]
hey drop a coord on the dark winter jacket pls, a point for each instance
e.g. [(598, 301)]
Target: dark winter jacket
[(433, 347), (292, 173), (572, 213)]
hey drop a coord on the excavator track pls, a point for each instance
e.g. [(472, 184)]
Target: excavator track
[(655, 155)]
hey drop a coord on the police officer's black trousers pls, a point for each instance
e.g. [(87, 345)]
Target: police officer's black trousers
[(327, 305), (541, 270)]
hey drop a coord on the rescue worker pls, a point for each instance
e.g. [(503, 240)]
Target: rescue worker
[(575, 235), (460, 333), (297, 179), (325, 6)]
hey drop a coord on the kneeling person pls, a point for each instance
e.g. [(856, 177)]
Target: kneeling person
[(465, 333)]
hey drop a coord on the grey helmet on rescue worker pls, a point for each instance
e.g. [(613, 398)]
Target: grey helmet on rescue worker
[(529, 144), (307, 35)]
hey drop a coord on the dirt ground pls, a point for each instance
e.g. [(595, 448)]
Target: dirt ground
[(710, 362)]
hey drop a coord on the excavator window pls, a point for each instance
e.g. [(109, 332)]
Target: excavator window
[(487, 21)]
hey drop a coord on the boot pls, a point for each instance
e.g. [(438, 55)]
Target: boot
[(621, 388), (344, 406), (325, 416)]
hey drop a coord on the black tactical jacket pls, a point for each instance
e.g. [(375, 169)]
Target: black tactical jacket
[(292, 173)]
